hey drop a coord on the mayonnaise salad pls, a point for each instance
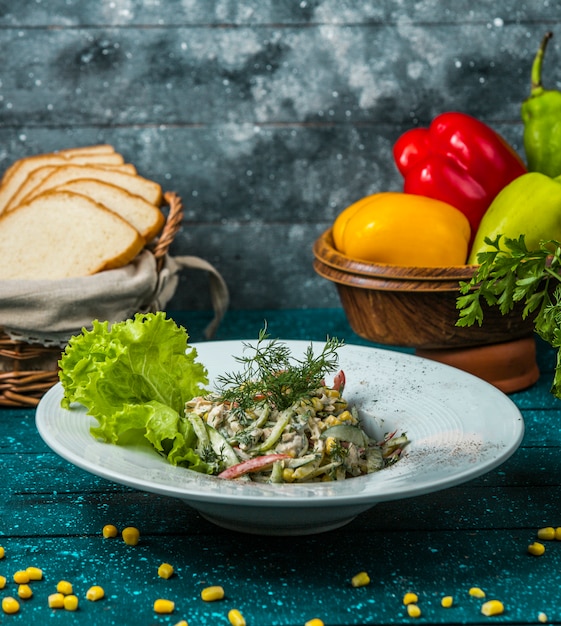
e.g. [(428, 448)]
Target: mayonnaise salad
[(317, 438)]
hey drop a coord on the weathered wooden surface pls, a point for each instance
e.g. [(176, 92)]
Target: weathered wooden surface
[(476, 534), (267, 117)]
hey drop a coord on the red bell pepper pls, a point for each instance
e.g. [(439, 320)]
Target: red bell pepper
[(459, 160)]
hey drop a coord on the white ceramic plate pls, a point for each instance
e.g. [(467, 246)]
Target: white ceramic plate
[(460, 427)]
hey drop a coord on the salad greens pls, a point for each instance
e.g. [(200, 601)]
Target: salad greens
[(275, 419), (510, 273), (134, 378)]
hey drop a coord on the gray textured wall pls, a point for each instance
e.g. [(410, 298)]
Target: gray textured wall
[(267, 116)]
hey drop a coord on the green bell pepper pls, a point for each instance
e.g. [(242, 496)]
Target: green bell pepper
[(541, 114), (530, 205)]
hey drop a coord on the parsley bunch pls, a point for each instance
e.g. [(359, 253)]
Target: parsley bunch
[(510, 273)]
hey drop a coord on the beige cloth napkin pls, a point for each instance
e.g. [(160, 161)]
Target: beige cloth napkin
[(50, 312)]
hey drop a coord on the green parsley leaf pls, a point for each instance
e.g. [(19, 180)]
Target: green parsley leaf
[(510, 273)]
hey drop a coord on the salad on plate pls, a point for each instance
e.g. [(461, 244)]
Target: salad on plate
[(275, 419)]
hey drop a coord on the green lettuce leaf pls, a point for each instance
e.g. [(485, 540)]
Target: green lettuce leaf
[(134, 379)]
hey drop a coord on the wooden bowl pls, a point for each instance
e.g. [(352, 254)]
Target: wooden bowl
[(410, 306)]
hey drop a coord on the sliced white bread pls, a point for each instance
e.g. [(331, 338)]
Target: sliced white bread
[(137, 185), (97, 149), (62, 234), (144, 216), (17, 174), (38, 175), (23, 166)]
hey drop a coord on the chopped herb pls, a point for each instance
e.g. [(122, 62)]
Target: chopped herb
[(214, 460)]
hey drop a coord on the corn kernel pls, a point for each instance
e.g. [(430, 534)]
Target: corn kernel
[(288, 474), (21, 577), (2, 582), (546, 534), (558, 533), (330, 444), (210, 594), (413, 610), (56, 601), (332, 393), (165, 570), (95, 593), (317, 404), (447, 602), (314, 622), (542, 617), (536, 548), (360, 580), (131, 535), (410, 598), (332, 420), (164, 606), (182, 623), (70, 602), (64, 587), (345, 416), (236, 618), (10, 605), (34, 573), (492, 607), (109, 531), (24, 592), (476, 592), (2, 552)]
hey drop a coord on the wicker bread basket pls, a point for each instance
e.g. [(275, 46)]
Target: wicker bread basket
[(27, 370)]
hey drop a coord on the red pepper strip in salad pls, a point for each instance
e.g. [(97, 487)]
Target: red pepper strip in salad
[(459, 160), (252, 465), (339, 381)]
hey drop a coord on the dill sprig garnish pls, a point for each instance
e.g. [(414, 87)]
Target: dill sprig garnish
[(272, 374)]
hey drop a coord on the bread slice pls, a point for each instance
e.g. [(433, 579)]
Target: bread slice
[(61, 234), (37, 176), (17, 174), (97, 149), (144, 216), (137, 185), (28, 164)]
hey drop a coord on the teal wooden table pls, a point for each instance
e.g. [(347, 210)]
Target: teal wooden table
[(473, 535)]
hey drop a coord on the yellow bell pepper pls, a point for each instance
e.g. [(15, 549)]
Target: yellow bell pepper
[(405, 229)]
